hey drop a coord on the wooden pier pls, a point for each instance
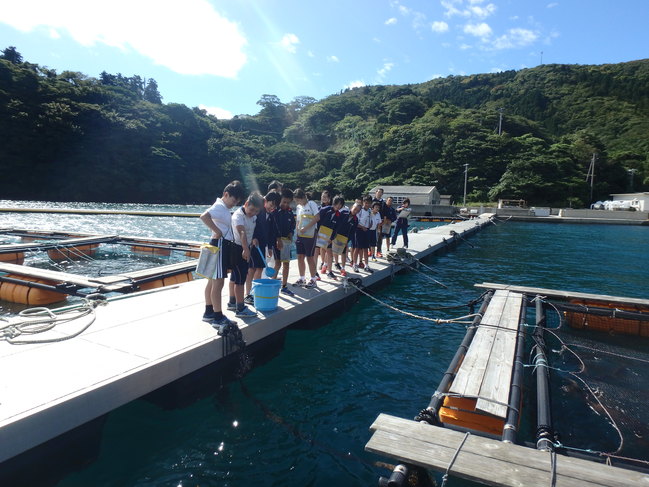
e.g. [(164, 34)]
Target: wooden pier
[(488, 461), (143, 341)]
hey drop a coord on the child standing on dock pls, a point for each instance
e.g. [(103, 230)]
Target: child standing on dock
[(389, 216), (375, 227), (325, 200), (218, 219), (403, 213), (328, 218), (285, 220), (307, 218), (265, 236), (378, 198), (362, 242), (243, 228), (345, 228)]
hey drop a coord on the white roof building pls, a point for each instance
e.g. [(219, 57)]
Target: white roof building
[(419, 195)]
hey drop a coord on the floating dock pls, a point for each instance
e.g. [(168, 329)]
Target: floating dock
[(143, 341)]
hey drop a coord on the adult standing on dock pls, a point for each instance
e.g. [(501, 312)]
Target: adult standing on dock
[(378, 198), (403, 214), (219, 219)]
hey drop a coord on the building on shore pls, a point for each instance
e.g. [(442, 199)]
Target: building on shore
[(424, 200)]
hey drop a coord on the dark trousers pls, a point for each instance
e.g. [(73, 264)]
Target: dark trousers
[(402, 226)]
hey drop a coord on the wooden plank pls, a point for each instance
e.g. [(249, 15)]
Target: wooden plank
[(72, 242), (496, 384), (555, 293), (22, 270), (469, 377), (488, 461)]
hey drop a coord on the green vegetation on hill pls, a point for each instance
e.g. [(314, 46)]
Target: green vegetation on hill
[(67, 136)]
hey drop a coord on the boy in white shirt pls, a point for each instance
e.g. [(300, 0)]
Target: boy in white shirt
[(361, 244), (307, 217), (375, 222), (243, 227), (218, 219)]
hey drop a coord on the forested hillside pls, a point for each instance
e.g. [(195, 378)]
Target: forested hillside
[(71, 137)]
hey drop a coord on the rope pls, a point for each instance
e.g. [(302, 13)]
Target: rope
[(40, 320), (458, 320), (457, 452)]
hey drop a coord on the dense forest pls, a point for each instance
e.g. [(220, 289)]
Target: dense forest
[(71, 137)]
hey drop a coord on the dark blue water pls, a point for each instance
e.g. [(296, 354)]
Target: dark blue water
[(303, 417)]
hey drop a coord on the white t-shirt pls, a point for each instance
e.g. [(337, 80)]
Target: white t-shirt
[(364, 218), (248, 222), (375, 219), (222, 218), (310, 210)]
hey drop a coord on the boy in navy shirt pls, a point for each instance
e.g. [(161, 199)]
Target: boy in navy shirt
[(346, 227), (263, 241), (285, 221), (328, 218)]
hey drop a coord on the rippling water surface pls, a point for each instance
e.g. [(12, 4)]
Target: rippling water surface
[(302, 418)]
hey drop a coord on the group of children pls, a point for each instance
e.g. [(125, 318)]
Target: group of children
[(264, 227)]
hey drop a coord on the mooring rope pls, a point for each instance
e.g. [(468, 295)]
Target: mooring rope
[(459, 320), (457, 452), (40, 320)]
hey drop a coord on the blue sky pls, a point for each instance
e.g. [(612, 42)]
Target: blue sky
[(223, 55)]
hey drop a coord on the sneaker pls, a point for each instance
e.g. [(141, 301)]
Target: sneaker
[(317, 277), (361, 266), (374, 259), (369, 252), (337, 266), (245, 313), (300, 282), (379, 255), (223, 321), (330, 275), (343, 273), (232, 306), (367, 269), (312, 284), (324, 269), (250, 299), (208, 317), (355, 268), (287, 291)]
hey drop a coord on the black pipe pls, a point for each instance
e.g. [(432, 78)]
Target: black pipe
[(60, 288), (399, 477), (608, 312), (430, 413), (510, 429), (544, 434)]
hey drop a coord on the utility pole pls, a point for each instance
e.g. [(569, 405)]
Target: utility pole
[(591, 174), (466, 173), (500, 121)]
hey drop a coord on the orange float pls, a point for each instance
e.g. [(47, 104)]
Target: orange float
[(13, 258), (586, 321), (79, 252), (460, 411), (24, 294)]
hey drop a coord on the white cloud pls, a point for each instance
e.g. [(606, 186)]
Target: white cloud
[(310, 54), (552, 5), (189, 37), (382, 73), (464, 47), (479, 30), (220, 113), (333, 59), (472, 9), (482, 12), (355, 84), (439, 26), (290, 42), (391, 21), (516, 37), (436, 75)]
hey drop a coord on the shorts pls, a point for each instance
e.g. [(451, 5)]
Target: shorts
[(362, 239), (218, 267), (256, 261), (372, 238), (305, 246), (239, 266)]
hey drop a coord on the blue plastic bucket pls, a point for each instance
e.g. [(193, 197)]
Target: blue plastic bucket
[(266, 293)]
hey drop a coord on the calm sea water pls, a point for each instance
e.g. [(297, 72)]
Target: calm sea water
[(302, 418)]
